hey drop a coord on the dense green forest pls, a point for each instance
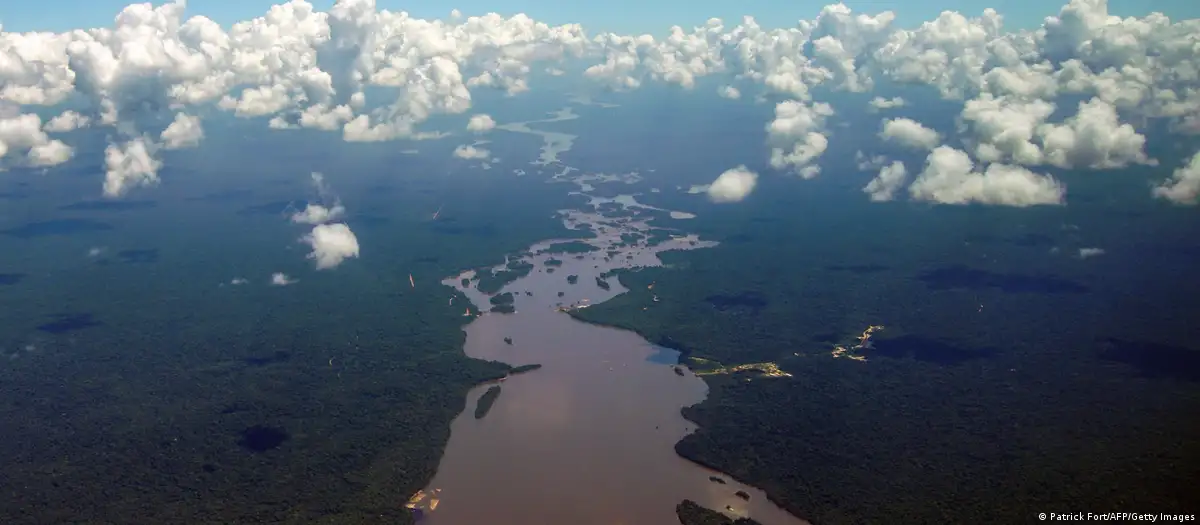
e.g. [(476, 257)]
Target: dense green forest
[(692, 513), (990, 395), (148, 386), (169, 395)]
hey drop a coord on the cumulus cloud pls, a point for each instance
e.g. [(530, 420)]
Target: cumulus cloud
[(1146, 67), (331, 244), (880, 103), (796, 138), (129, 165), (471, 152), (327, 210), (910, 133), (281, 279), (733, 185), (295, 65), (318, 214), (480, 123), (24, 143), (950, 177), (1184, 185), (1004, 129), (184, 132), (729, 92), (884, 186), (66, 121), (1093, 138)]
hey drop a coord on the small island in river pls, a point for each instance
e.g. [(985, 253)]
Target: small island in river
[(491, 282), (486, 401), (523, 368), (570, 247)]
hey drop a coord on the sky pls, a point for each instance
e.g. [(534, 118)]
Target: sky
[(652, 16)]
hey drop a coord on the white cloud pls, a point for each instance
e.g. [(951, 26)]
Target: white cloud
[(796, 138), (328, 209), (729, 92), (910, 133), (66, 121), (950, 178), (331, 244), (1184, 185), (1145, 66), (733, 185), (884, 186), (471, 152), (318, 214), (129, 165), (23, 143), (281, 279), (184, 132), (1093, 138), (51, 153), (295, 66), (881, 103), (1085, 253), (257, 101), (1005, 128), (238, 281), (480, 123)]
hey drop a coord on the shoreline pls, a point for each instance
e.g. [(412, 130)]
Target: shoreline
[(683, 354)]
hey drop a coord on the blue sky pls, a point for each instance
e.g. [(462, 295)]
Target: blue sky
[(625, 16)]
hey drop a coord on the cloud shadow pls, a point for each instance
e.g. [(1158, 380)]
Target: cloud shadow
[(69, 322), (57, 227), (1154, 360), (962, 277), (99, 205)]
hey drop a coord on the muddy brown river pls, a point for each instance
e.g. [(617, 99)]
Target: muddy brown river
[(588, 439)]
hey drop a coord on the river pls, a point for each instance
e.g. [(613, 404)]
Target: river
[(589, 437)]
